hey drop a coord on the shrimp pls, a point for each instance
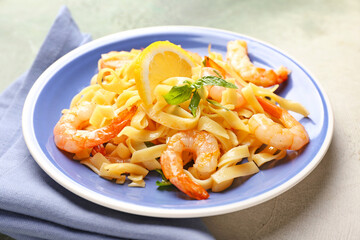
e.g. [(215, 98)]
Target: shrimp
[(99, 149), (215, 92), (237, 57), (113, 61), (69, 137), (206, 149), (292, 137), (116, 60), (114, 159)]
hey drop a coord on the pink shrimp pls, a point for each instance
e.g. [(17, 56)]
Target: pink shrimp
[(115, 60), (215, 92), (204, 146), (292, 137), (237, 57), (69, 137), (99, 149), (102, 150)]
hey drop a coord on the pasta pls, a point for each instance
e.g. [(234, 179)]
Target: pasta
[(240, 114)]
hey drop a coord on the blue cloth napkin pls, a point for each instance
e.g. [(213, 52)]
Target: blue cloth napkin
[(32, 205)]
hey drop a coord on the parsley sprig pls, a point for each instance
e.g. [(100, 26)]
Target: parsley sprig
[(180, 94), (164, 182)]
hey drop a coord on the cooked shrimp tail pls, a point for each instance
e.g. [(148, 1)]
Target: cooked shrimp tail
[(212, 64), (69, 137), (278, 112), (237, 57), (184, 183), (207, 152), (98, 149), (291, 136)]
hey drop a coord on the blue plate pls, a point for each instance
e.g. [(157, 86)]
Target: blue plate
[(55, 88)]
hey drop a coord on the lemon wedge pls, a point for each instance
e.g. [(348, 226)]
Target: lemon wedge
[(158, 62)]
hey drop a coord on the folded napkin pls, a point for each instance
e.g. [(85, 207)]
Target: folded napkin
[(32, 205)]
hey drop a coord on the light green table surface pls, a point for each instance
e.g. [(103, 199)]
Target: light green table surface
[(322, 35)]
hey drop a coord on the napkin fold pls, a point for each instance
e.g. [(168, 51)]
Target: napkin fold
[(32, 205)]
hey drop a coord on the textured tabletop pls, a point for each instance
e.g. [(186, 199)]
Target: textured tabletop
[(323, 35)]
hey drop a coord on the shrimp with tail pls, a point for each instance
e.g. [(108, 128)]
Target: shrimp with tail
[(206, 149), (237, 57), (69, 137), (292, 136)]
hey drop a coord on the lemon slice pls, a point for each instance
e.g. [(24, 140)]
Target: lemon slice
[(157, 62)]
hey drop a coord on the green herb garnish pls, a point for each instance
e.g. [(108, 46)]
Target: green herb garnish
[(215, 103), (204, 62), (217, 73), (149, 144), (213, 81), (194, 103), (164, 182), (180, 94)]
